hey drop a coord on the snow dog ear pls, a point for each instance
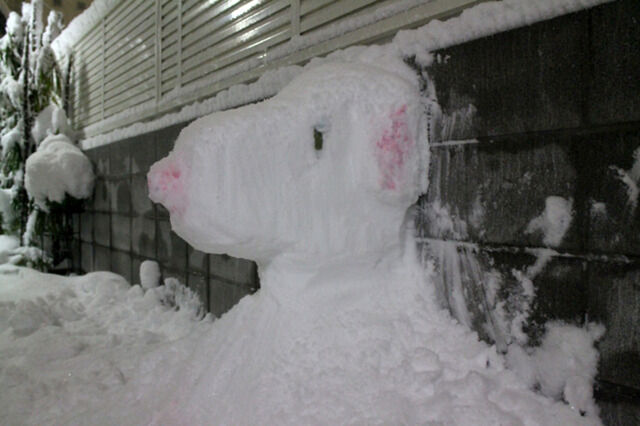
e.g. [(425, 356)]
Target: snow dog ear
[(393, 150)]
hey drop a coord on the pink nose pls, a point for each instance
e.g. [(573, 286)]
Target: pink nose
[(166, 182)]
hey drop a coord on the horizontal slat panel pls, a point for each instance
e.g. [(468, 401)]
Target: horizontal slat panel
[(227, 11), (89, 56), (171, 18), (92, 37), (167, 43), (218, 28), (121, 10), (168, 85), (249, 28), (138, 64), (136, 9), (85, 71), (83, 109), (123, 98), (170, 37), (92, 59), (128, 103), (331, 12), (193, 9), (92, 99), (144, 47), (168, 6), (86, 101), (187, 5), (94, 81), (136, 75), (144, 50), (140, 31), (254, 47), (307, 6), (127, 78), (94, 119), (169, 68)]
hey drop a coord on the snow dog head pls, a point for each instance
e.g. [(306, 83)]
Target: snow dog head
[(325, 168)]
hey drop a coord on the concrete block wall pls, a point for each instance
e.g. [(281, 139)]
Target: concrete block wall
[(121, 227), (550, 109)]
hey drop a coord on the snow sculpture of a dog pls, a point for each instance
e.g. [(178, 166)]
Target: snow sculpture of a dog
[(326, 168)]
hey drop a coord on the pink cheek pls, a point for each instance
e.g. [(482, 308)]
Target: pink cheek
[(393, 148)]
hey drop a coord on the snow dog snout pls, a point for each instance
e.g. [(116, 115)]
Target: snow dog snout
[(167, 184)]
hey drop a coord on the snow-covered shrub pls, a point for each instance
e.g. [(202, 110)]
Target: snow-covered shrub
[(31, 111), (56, 170), (175, 295)]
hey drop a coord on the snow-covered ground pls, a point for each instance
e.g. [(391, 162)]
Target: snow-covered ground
[(93, 350), (66, 344)]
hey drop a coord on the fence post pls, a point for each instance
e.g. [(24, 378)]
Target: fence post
[(295, 18), (158, 52), (104, 53), (179, 59)]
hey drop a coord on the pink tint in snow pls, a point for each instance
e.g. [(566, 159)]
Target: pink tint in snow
[(393, 148), (166, 181)]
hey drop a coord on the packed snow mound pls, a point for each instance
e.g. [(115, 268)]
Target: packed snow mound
[(326, 168), (149, 274), (69, 342), (58, 168), (564, 365)]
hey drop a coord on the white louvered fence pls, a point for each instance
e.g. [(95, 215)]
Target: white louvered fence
[(150, 57)]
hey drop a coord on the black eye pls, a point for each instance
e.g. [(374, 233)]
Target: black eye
[(317, 139)]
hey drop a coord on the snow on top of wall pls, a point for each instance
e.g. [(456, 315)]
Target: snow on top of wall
[(81, 25), (479, 21), (483, 20)]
